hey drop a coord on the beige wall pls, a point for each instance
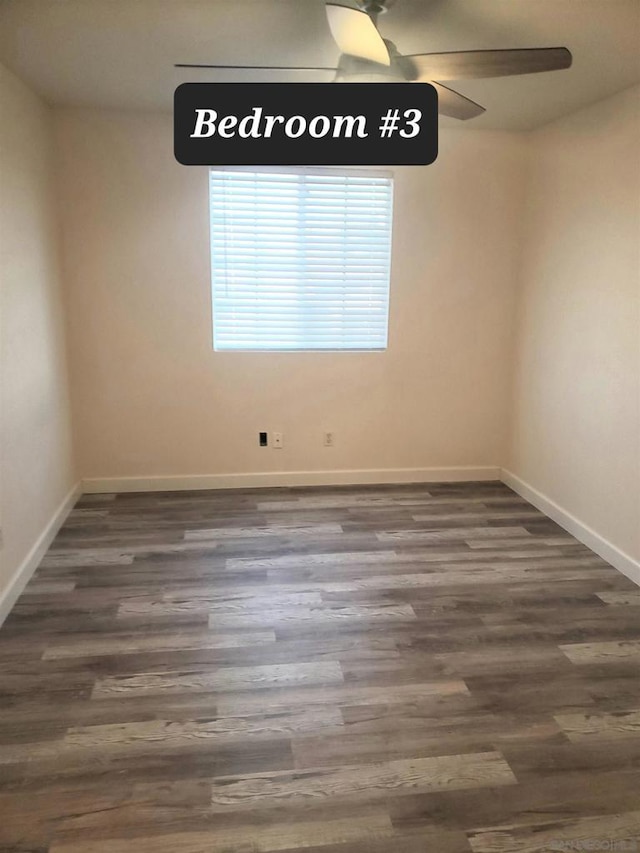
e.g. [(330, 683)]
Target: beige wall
[(152, 398), (576, 413), (36, 470)]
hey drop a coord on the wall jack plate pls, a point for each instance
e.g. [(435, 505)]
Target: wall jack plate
[(278, 440)]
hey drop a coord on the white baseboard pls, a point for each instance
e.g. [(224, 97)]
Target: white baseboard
[(585, 534), (31, 562), (289, 478)]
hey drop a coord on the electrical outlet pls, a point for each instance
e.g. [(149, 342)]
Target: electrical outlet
[(329, 439), (278, 440), (263, 439)]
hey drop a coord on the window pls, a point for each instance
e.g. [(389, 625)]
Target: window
[(300, 261)]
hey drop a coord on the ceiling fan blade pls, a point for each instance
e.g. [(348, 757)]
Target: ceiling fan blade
[(455, 105), (355, 34), (258, 67), (477, 64)]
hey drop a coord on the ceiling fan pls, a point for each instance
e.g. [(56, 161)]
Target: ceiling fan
[(367, 57)]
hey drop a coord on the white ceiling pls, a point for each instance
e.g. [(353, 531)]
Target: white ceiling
[(120, 53)]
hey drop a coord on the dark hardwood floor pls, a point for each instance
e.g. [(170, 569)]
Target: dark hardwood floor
[(406, 669)]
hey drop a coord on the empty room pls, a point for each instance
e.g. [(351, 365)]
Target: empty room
[(319, 426)]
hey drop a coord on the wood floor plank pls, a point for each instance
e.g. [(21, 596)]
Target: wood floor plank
[(474, 574), (346, 694), (225, 680), (428, 729), (29, 821), (117, 644), (419, 497), (86, 557), (369, 782), (578, 727), (167, 733), (294, 560), (354, 614), (456, 552), (600, 832), (51, 766), (282, 584), (542, 543), (48, 587), (629, 597), (609, 652), (450, 533), (215, 602), (244, 839), (495, 659), (476, 517), (286, 530)]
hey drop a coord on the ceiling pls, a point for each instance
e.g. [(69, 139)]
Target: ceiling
[(120, 53)]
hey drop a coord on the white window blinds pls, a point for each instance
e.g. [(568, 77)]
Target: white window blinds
[(300, 261)]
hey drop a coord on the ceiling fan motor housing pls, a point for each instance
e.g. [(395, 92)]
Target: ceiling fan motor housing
[(352, 69), (374, 7)]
